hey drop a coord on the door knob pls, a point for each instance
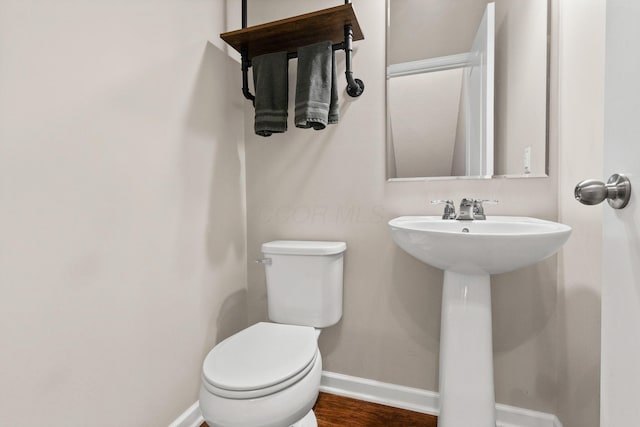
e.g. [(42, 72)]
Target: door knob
[(616, 191)]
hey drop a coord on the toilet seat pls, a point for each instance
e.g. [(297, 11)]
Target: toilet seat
[(260, 360), (282, 408)]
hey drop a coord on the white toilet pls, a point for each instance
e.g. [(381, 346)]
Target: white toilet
[(268, 375)]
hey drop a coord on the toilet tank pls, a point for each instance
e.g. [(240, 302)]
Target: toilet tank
[(304, 281)]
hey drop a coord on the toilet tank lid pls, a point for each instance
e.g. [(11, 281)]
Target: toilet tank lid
[(303, 247)]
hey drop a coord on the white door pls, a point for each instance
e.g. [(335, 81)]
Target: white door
[(479, 81), (620, 377)]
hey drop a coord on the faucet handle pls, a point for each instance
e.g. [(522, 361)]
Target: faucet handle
[(449, 208), (478, 208)]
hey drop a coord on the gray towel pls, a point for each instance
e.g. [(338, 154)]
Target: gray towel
[(316, 91), (271, 84)]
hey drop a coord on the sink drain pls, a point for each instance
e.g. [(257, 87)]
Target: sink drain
[(465, 230)]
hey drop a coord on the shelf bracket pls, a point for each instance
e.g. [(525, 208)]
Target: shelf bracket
[(355, 87), (245, 60), (245, 77)]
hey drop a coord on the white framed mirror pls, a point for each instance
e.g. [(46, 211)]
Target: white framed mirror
[(467, 88)]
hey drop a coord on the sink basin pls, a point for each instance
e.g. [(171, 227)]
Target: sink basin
[(495, 245), (469, 252)]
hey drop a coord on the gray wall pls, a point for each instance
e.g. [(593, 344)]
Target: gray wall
[(122, 256)]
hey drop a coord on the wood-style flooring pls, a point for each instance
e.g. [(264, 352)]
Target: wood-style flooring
[(338, 411)]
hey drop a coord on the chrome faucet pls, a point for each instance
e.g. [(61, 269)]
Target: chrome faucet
[(471, 209), (466, 210), (478, 208), (449, 208)]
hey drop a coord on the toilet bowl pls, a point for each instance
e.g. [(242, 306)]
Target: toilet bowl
[(268, 375)]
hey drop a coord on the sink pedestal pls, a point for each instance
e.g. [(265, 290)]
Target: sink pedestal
[(468, 252), (466, 355)]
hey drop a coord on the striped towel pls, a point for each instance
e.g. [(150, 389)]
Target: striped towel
[(316, 91), (271, 84)]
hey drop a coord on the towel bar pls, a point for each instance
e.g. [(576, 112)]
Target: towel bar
[(338, 24)]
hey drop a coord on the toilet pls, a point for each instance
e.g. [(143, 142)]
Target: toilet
[(268, 375)]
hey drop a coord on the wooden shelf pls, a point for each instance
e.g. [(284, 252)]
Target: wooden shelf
[(291, 33)]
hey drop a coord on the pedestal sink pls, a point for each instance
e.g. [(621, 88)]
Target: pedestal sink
[(469, 252)]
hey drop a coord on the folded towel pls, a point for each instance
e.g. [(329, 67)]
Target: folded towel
[(316, 90), (271, 85)]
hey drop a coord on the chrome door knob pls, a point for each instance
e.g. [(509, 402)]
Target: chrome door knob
[(617, 191)]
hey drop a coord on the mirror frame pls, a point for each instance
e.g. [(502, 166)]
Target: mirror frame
[(551, 78)]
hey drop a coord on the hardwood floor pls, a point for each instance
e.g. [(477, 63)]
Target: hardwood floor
[(338, 411)]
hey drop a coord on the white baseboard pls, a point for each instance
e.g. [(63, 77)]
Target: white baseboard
[(398, 396), (424, 401), (189, 418), (413, 399)]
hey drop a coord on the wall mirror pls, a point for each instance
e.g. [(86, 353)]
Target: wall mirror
[(467, 88)]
